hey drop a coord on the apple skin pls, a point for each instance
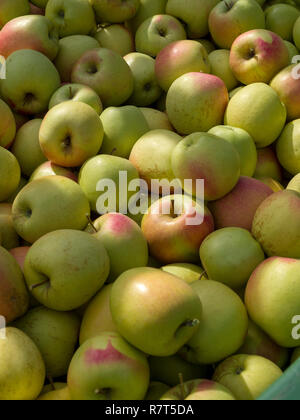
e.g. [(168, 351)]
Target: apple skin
[(267, 165), (229, 20), (170, 238), (259, 344), (234, 266), (294, 184), (8, 236), (281, 19), (29, 32), (156, 390), (10, 174), (7, 125), (117, 11), (45, 205), (292, 50), (296, 33), (23, 375), (107, 367), (157, 120), (257, 56), (123, 126), (273, 184), (179, 58), (35, 10), (14, 299), (208, 157), (296, 355), (265, 121), (117, 38), (237, 209), (198, 389), (26, 147), (70, 134), (50, 169), (71, 48), (147, 9), (276, 224), (154, 311), (185, 271), (107, 73), (30, 90), (196, 102), (288, 147), (20, 254), (69, 284), (157, 32), (219, 61), (21, 185), (56, 395), (247, 377), (11, 9)]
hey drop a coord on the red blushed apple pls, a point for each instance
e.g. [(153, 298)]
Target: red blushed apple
[(237, 209), (49, 169), (175, 237), (267, 165), (257, 56), (20, 254), (35, 10)]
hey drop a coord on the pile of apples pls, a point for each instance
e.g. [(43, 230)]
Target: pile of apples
[(147, 306)]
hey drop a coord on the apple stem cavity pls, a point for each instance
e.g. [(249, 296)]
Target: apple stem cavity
[(191, 323), (91, 223)]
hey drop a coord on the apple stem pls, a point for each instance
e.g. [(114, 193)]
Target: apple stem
[(113, 151), (34, 286), (202, 275), (181, 386), (191, 323), (50, 379), (71, 93), (91, 223)]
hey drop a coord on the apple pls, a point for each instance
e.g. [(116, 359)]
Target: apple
[(21, 185), (267, 165), (185, 271), (264, 121), (71, 18), (229, 19), (208, 157), (155, 311), (117, 38), (50, 169), (76, 93), (246, 376), (49, 204), (287, 87), (35, 10), (157, 32), (237, 209), (294, 184), (275, 280), (292, 50), (230, 256), (22, 370), (172, 237), (10, 174), (114, 12), (257, 56), (273, 184), (147, 9), (56, 395), (157, 120), (287, 147), (8, 235), (296, 33), (146, 89), (198, 389), (218, 336), (73, 268), (296, 355), (26, 147), (107, 73), (106, 367), (14, 299), (276, 224), (219, 61), (151, 156), (19, 255), (71, 48), (179, 58), (196, 102), (207, 44), (123, 126), (29, 32), (243, 143), (259, 344), (40, 3), (7, 125), (281, 18), (11, 9), (189, 13), (29, 91), (55, 335), (156, 390), (70, 134)]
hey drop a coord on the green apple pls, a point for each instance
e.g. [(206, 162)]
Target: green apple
[(157, 32), (14, 299), (276, 224), (230, 256), (292, 50), (40, 3), (185, 271), (11, 9), (287, 86), (273, 184), (22, 370), (243, 143), (123, 126), (146, 89), (296, 355), (7, 125), (147, 9), (26, 147), (71, 18), (247, 377), (155, 311), (55, 335), (49, 204), (9, 237), (294, 184), (207, 44), (70, 134), (71, 48), (296, 33), (117, 38), (21, 185), (117, 11), (288, 147), (57, 395), (54, 386), (157, 120), (275, 280), (10, 174), (29, 90), (219, 61), (65, 269), (281, 18), (267, 165), (218, 336), (50, 169), (156, 390), (106, 367), (264, 121), (196, 102)]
